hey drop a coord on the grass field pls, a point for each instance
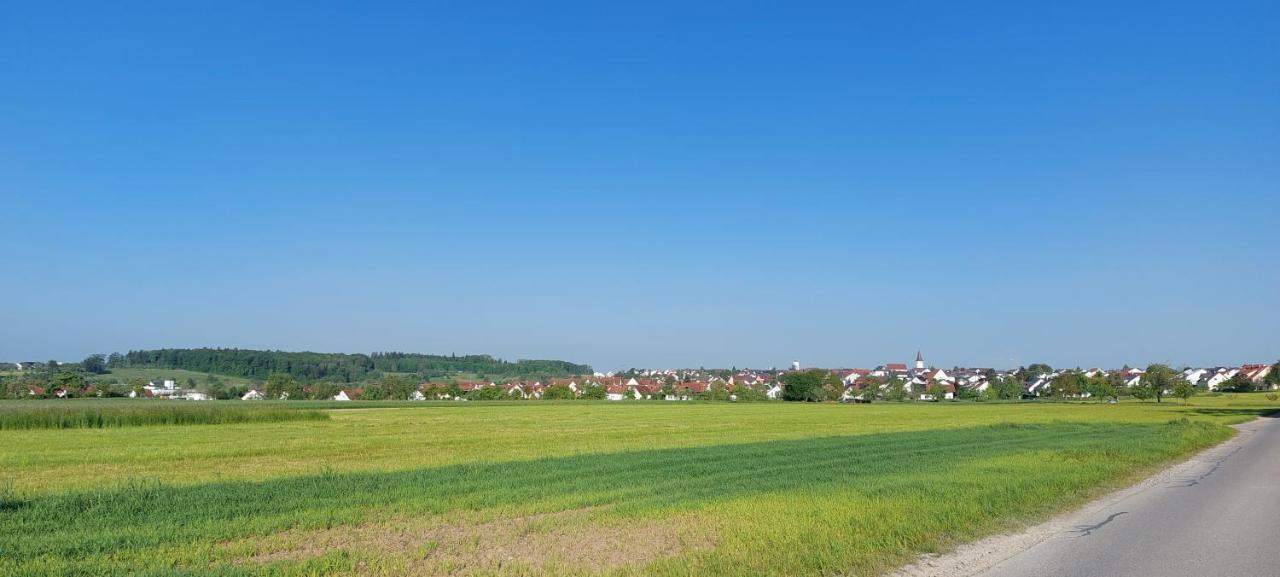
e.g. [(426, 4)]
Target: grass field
[(573, 488), (98, 414), (123, 375)]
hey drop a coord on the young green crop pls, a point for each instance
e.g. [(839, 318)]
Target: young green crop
[(574, 488), (109, 414)]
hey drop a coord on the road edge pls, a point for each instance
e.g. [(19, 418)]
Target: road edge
[(977, 556)]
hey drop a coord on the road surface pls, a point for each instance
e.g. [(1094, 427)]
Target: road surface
[(1216, 516)]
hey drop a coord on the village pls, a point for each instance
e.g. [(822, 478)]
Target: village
[(890, 381)]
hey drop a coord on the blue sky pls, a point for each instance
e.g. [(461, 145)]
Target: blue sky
[(666, 184)]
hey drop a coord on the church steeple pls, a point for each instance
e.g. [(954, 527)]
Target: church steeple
[(919, 360)]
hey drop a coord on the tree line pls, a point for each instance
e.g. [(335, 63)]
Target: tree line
[(342, 367)]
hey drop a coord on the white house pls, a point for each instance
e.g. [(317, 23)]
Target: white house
[(343, 395), (253, 395), (1193, 376)]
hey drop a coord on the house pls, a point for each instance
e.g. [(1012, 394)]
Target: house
[(642, 388), (615, 391), (253, 395), (1040, 383), (1194, 376), (515, 389), (1256, 373), (852, 376), (774, 391), (891, 371), (1216, 377), (347, 395), (949, 394), (571, 383), (417, 395)]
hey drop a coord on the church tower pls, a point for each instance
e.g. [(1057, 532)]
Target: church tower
[(919, 361)]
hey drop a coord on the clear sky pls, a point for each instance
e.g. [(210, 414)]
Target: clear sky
[(645, 183)]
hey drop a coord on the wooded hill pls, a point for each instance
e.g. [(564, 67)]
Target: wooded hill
[(308, 366)]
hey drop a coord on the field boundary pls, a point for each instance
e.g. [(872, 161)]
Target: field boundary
[(977, 556)]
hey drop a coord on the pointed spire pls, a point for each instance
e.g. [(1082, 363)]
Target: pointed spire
[(919, 357)]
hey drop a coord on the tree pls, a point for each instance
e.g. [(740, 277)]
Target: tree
[(1067, 384), (895, 390), (1037, 369), (716, 391), (594, 392), (1238, 384), (557, 392), (1007, 387), (1099, 386), (966, 392), (1141, 392), (325, 390), (870, 387), (803, 385), (936, 391), (1273, 377), (832, 387), (487, 394), (215, 390), (749, 393), (397, 387), (95, 364), (1184, 390), (69, 381), (278, 384), (137, 386), (1159, 380)]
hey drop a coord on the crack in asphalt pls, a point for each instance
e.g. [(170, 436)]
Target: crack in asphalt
[(1086, 530), (1217, 464)]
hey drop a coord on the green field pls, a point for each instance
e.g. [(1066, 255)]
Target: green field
[(572, 488), (124, 375), (99, 414)]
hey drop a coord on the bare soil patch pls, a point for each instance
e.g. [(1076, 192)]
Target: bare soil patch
[(578, 540)]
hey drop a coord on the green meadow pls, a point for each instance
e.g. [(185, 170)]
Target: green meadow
[(127, 374), (576, 488)]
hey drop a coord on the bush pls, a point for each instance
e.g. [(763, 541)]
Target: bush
[(487, 394), (804, 385), (557, 392)]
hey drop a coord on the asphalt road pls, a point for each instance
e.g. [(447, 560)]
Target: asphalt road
[(1219, 517)]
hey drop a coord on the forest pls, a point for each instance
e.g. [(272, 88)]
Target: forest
[(310, 366)]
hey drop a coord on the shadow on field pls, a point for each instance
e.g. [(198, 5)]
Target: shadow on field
[(1269, 412), (145, 515)]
